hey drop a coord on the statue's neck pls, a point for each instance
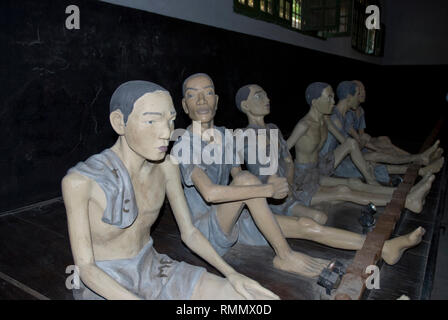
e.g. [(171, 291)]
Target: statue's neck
[(131, 160), (342, 107), (315, 115), (256, 120)]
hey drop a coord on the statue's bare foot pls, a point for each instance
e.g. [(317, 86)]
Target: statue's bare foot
[(430, 154), (436, 155), (301, 264), (433, 167), (416, 198), (393, 249)]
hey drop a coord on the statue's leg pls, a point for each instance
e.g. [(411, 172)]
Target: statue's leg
[(355, 184), (350, 146), (425, 158), (286, 259), (385, 144), (389, 158), (414, 201), (433, 167), (298, 210), (304, 228)]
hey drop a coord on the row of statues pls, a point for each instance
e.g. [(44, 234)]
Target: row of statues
[(113, 198)]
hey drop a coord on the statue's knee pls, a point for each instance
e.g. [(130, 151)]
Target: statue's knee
[(384, 139), (352, 143), (307, 223), (245, 178)]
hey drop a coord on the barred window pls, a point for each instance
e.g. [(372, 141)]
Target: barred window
[(319, 18)]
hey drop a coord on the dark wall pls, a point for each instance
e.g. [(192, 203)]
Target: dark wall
[(417, 32), (56, 84)]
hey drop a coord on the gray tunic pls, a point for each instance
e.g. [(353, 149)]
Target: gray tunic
[(347, 169), (278, 206), (149, 275), (355, 122), (204, 214)]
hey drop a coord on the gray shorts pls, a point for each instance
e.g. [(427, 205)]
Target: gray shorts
[(283, 207), (307, 177), (149, 275), (245, 231)]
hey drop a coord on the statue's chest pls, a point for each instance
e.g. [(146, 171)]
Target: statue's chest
[(318, 133), (150, 193)]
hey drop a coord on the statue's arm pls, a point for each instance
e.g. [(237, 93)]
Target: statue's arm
[(190, 235), (290, 170), (235, 171), (76, 194), (195, 240), (299, 130), (355, 134), (215, 193), (332, 128)]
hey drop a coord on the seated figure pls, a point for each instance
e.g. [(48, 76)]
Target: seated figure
[(253, 101), (313, 171), (342, 119), (381, 149), (347, 93), (217, 206), (114, 197)]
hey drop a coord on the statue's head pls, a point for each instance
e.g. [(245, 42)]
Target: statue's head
[(143, 113), (348, 92), (320, 95), (362, 91), (199, 99), (252, 100)]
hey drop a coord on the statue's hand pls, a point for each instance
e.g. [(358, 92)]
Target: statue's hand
[(280, 186), (365, 139), (249, 288)]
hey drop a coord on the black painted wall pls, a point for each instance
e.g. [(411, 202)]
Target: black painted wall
[(56, 84)]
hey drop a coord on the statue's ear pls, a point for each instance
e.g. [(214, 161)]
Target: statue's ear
[(117, 121), (184, 106), (244, 106), (216, 103)]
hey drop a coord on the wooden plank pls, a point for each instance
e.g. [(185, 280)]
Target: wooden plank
[(35, 256), (352, 285)]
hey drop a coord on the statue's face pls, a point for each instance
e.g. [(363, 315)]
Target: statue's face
[(150, 125), (325, 103), (362, 92), (354, 101), (200, 101), (257, 102)]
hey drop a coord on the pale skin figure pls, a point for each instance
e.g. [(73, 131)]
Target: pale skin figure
[(308, 137), (350, 102), (141, 146), (382, 149), (320, 129), (256, 107), (200, 103)]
